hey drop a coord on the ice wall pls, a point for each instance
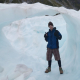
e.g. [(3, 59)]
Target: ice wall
[(71, 48), (25, 43), (73, 40), (28, 32)]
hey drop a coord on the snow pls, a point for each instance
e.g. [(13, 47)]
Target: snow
[(22, 44), (21, 71), (1, 69)]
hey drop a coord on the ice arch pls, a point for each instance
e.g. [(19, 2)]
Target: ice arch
[(69, 51), (72, 46)]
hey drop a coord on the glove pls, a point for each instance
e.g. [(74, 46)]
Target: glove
[(45, 36), (57, 35)]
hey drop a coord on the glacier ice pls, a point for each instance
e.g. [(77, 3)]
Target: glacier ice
[(1, 69), (18, 32), (21, 70), (22, 27)]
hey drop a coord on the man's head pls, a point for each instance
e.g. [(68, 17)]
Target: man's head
[(50, 25)]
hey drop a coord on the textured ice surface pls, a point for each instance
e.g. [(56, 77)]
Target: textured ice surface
[(22, 28)]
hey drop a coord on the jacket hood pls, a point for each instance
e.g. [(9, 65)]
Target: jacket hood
[(53, 29)]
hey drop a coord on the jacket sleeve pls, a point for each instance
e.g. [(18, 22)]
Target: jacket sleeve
[(58, 34), (46, 37)]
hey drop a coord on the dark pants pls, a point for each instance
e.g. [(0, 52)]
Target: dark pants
[(49, 63)]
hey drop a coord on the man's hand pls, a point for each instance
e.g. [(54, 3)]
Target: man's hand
[(45, 33), (46, 36)]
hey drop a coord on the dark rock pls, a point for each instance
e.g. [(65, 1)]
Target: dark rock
[(70, 4), (56, 14)]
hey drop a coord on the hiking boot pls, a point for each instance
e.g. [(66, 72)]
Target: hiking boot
[(48, 70), (61, 71)]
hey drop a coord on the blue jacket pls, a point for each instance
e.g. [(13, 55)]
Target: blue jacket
[(52, 38)]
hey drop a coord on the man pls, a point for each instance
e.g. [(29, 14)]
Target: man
[(52, 37)]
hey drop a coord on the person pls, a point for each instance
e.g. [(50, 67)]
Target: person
[(52, 37)]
